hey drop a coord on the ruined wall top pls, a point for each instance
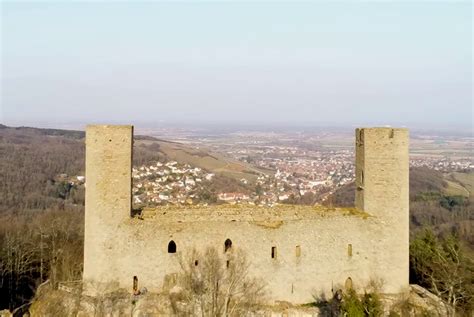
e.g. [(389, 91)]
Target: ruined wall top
[(250, 213)]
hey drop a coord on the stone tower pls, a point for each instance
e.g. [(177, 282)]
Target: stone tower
[(108, 195), (382, 184)]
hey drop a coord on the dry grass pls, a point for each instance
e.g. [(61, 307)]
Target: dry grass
[(465, 179), (214, 163), (455, 189)]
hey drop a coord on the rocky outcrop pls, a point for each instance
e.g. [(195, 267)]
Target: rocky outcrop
[(417, 301), (5, 313), (424, 299), (120, 303), (414, 302)]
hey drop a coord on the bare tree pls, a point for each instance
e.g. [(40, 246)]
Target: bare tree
[(217, 285), (441, 265), (36, 247)]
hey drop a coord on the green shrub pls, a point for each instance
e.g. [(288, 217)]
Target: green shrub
[(352, 305), (372, 304), (368, 305)]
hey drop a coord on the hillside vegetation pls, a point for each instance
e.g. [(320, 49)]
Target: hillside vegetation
[(442, 202)]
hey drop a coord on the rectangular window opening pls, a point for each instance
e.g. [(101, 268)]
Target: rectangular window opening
[(298, 251), (274, 252), (361, 137)]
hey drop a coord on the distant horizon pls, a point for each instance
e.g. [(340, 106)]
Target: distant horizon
[(466, 131)]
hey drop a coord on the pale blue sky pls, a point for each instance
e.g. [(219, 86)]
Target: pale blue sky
[(348, 62)]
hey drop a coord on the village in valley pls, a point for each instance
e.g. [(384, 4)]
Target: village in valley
[(174, 183), (169, 182), (292, 172)]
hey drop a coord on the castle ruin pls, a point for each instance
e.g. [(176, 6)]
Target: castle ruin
[(298, 252)]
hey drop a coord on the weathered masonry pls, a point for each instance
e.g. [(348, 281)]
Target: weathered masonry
[(299, 251)]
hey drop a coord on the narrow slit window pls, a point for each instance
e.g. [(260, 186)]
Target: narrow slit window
[(135, 284), (228, 263), (171, 247), (392, 133), (274, 252), (227, 245), (298, 251), (196, 263), (349, 250), (361, 137)]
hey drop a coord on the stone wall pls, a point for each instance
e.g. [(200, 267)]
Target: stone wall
[(334, 244)]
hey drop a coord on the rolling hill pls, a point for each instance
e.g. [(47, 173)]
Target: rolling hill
[(214, 163), (164, 149)]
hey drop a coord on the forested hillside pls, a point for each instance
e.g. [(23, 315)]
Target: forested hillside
[(32, 161)]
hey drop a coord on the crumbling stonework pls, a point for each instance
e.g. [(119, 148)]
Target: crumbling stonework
[(300, 252)]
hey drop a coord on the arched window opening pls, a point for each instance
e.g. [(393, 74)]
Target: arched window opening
[(171, 247), (348, 284), (227, 245)]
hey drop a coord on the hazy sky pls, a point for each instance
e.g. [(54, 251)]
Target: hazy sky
[(348, 62)]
